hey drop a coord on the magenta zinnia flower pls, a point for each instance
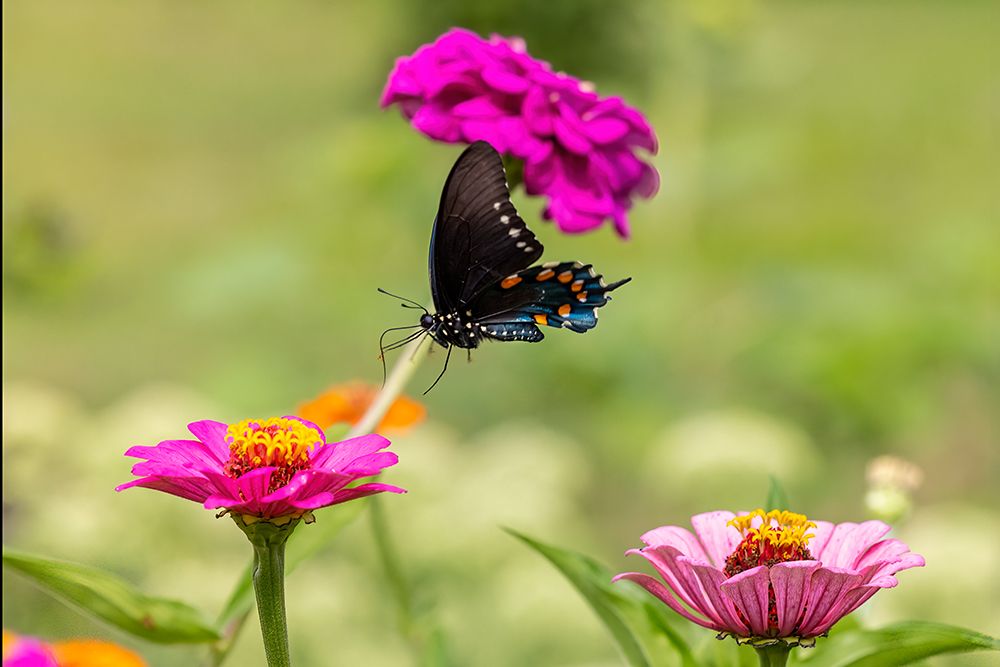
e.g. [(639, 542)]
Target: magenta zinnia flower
[(770, 575), (578, 148), (277, 467)]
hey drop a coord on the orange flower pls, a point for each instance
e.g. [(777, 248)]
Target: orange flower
[(71, 653), (347, 403)]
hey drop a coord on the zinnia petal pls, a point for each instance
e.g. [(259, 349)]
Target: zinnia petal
[(664, 594), (748, 593)]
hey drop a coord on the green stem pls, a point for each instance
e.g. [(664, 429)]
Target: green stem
[(409, 360), (268, 542), (398, 583), (773, 656)]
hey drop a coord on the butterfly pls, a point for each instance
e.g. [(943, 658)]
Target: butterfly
[(483, 281)]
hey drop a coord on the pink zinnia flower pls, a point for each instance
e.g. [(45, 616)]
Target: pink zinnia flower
[(578, 148), (770, 575), (277, 467)]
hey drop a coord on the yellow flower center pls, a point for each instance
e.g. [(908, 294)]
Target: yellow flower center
[(277, 442), (779, 533)]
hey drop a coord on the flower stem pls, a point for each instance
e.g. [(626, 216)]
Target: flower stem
[(409, 361), (773, 656), (268, 540)]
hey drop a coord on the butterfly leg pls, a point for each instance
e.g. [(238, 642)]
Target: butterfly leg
[(441, 374)]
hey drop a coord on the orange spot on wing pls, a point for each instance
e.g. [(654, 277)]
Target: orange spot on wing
[(577, 285), (565, 309), (510, 281), (542, 319), (545, 275), (581, 297), (565, 276)]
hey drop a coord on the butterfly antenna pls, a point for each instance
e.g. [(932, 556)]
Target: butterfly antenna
[(413, 304), (382, 348), (441, 374)]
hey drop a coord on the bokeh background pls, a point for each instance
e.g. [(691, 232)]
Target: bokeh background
[(201, 198)]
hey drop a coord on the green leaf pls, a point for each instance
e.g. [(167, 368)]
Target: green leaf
[(113, 600), (647, 634), (897, 644), (777, 499)]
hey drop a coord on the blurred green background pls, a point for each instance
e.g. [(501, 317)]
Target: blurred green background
[(201, 198)]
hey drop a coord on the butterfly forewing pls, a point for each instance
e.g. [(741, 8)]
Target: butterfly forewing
[(478, 237)]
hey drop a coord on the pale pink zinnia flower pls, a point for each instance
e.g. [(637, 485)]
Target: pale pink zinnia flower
[(578, 148), (770, 575), (267, 468)]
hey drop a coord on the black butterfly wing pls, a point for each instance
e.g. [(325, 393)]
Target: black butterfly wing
[(555, 294), (478, 236)]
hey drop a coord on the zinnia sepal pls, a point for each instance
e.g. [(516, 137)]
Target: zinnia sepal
[(268, 538)]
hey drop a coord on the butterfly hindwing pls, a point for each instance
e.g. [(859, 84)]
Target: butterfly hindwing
[(556, 294), (478, 236)]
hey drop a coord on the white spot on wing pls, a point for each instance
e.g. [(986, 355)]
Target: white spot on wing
[(505, 219), (496, 206), (521, 244), (528, 248), (550, 265), (514, 232)]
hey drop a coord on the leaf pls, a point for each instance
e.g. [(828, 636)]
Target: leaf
[(897, 644), (777, 499), (304, 543), (647, 634), (113, 600)]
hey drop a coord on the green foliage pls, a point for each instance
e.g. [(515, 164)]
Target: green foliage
[(114, 600), (898, 644), (647, 636), (777, 499)]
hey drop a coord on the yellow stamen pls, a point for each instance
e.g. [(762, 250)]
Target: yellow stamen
[(277, 441), (779, 528)]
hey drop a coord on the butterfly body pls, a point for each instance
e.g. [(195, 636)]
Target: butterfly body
[(484, 282)]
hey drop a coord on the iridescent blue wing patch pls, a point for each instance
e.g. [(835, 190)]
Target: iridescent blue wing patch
[(556, 294)]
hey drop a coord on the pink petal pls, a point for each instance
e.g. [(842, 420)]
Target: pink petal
[(436, 124), (363, 490), (570, 139), (821, 535), (192, 454), (605, 130), (308, 483), (849, 541), (718, 539), (477, 107), (790, 582), (748, 593), (711, 580), (827, 599), (676, 571), (504, 80), (246, 490), (661, 592), (338, 455), (678, 538), (538, 113), (189, 488), (213, 434)]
